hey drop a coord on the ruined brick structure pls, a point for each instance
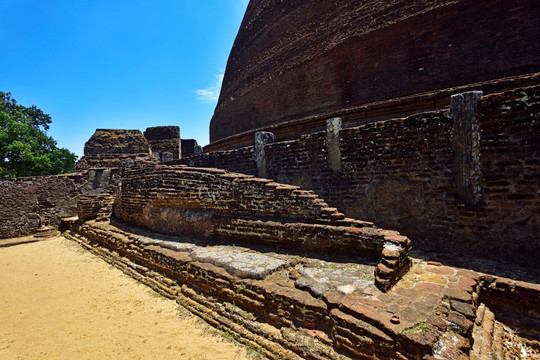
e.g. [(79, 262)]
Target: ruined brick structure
[(295, 64), (109, 148), (113, 147), (164, 142), (418, 116), (461, 182), (285, 305), (190, 147), (97, 207), (32, 202), (238, 208)]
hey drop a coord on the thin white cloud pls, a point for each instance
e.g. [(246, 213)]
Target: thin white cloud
[(210, 94)]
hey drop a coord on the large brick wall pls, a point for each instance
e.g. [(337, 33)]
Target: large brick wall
[(392, 172), (510, 164), (403, 174), (292, 60), (28, 203)]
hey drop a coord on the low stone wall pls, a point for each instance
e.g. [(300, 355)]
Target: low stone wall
[(268, 312), (239, 208), (267, 301), (26, 204), (516, 303), (270, 306)]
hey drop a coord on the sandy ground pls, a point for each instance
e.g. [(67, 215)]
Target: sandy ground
[(58, 301)]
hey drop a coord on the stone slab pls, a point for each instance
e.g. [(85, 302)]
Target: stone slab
[(345, 278), (238, 261)]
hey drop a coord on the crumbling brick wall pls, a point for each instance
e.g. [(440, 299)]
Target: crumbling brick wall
[(164, 142), (30, 202), (112, 148), (401, 174), (229, 206), (97, 207), (237, 160), (392, 172)]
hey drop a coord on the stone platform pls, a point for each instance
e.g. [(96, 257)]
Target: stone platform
[(294, 306)]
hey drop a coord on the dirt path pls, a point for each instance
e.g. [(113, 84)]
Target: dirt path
[(58, 301)]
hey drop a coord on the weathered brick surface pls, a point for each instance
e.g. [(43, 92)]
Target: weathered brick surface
[(95, 206), (516, 303), (293, 60), (358, 325), (239, 160), (28, 203), (241, 208), (399, 174), (146, 186), (164, 142), (188, 147), (109, 148), (510, 164)]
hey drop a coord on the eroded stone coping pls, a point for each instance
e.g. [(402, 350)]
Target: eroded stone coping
[(299, 307)]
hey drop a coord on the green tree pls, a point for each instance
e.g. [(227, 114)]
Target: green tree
[(25, 147)]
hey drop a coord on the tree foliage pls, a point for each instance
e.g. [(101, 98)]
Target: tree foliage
[(25, 147)]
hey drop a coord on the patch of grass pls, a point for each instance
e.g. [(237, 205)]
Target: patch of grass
[(227, 336), (422, 326), (255, 352), (183, 313), (156, 294)]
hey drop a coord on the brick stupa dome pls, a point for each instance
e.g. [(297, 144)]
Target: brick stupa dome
[(296, 63)]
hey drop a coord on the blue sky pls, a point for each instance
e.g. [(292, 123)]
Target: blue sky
[(120, 64)]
